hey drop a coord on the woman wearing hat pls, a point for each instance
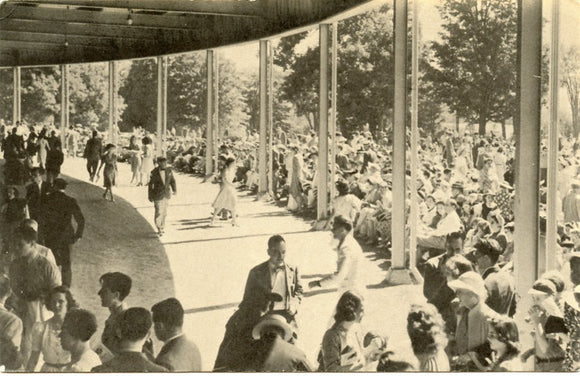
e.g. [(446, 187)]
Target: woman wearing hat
[(488, 180), (109, 160)]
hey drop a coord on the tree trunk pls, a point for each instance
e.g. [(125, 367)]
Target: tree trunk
[(503, 133), (482, 124), (457, 122)]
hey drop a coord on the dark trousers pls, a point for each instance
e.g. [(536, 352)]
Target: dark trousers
[(92, 165), (62, 256)]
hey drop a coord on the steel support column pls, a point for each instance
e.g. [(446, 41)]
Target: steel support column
[(209, 115), (64, 103), (17, 99), (270, 120), (527, 173), (112, 103), (548, 259), (161, 105), (262, 161), (217, 132), (332, 126), (398, 274), (322, 195)]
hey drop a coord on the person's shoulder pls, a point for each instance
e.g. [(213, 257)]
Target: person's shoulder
[(9, 319), (260, 268)]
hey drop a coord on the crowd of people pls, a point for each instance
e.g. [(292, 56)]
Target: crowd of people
[(465, 190)]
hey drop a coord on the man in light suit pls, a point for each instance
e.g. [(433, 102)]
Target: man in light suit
[(178, 354), (272, 287), (161, 183)]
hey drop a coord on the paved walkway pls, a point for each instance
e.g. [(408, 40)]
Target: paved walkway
[(206, 267)]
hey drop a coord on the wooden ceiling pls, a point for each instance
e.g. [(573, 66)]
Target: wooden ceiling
[(46, 32)]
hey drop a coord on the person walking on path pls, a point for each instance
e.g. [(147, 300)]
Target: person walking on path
[(92, 154), (135, 161), (59, 231), (109, 160), (226, 198), (161, 183)]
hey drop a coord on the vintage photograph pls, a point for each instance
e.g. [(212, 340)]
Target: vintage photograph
[(289, 186)]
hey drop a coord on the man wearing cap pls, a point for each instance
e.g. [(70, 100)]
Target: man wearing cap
[(349, 259), (274, 352), (273, 286), (60, 234), (500, 284), (571, 203), (161, 183)]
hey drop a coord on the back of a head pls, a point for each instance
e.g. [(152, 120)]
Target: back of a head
[(169, 312), (95, 133), (81, 324), (117, 282), (134, 324), (342, 188), (347, 306)]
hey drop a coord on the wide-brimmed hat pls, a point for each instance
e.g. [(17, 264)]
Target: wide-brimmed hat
[(469, 281), (275, 320), (543, 287)]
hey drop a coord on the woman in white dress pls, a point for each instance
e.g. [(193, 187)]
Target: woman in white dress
[(226, 198), (147, 164)]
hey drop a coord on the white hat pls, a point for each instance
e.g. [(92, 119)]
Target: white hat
[(469, 281), (272, 320)]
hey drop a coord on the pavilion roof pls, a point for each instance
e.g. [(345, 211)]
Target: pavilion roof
[(46, 32)]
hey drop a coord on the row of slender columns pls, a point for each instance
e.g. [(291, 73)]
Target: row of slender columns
[(161, 105)]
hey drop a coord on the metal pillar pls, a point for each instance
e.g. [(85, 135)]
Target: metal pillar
[(64, 103), (209, 116), (161, 105), (322, 195), (549, 258), (270, 120), (263, 178), (527, 173), (216, 96), (112, 103), (332, 125), (17, 100), (398, 274)]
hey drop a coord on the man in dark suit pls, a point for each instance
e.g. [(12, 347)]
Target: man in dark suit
[(178, 354), (59, 232), (161, 183), (133, 331), (36, 195), (272, 287), (92, 154)]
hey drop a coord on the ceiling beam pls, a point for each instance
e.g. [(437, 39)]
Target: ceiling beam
[(238, 8)]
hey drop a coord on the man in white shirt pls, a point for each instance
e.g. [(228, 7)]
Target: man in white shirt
[(78, 327), (349, 253)]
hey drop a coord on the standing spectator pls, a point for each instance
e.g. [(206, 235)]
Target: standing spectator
[(500, 284), (45, 335), (426, 330), (161, 184), (72, 139), (147, 161), (36, 195), (226, 198), (10, 324), (43, 149), (109, 160), (13, 145), (178, 354), (54, 161), (92, 154), (349, 256), (274, 352), (133, 329), (14, 211), (78, 327), (435, 287), (135, 161), (115, 287), (571, 203), (60, 234), (273, 286)]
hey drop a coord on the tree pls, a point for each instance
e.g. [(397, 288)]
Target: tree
[(571, 82), (139, 92), (473, 66)]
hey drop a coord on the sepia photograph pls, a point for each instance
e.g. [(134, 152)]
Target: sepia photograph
[(289, 186)]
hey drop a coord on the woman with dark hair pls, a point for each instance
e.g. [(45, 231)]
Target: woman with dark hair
[(226, 198), (343, 347), (504, 339), (46, 335), (426, 330), (147, 164), (109, 160), (135, 160)]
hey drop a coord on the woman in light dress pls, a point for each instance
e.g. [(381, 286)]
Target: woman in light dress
[(135, 161), (46, 335), (226, 198), (147, 164)]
